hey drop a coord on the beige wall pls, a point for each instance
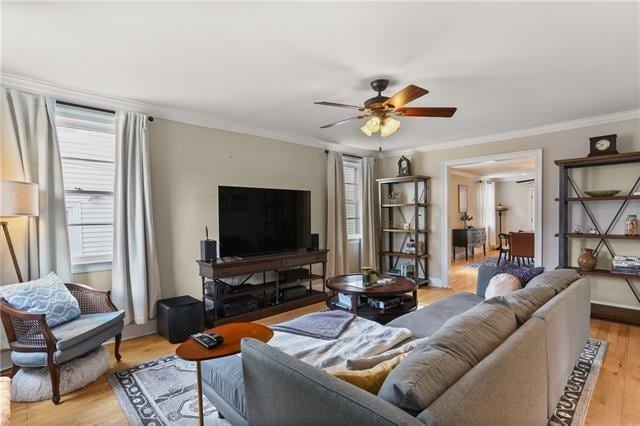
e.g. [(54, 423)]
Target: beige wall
[(558, 145), (187, 165), (514, 196)]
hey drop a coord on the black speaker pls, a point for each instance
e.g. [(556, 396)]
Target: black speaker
[(208, 250), (315, 242), (179, 317)]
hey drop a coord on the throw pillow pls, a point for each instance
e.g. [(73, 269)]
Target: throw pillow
[(461, 343), (47, 295), (558, 279), (524, 274), (502, 284), (370, 379)]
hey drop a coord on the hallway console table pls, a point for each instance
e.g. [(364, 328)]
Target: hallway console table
[(468, 238)]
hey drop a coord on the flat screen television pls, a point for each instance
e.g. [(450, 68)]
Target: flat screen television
[(255, 221)]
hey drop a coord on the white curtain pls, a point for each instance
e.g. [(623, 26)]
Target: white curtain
[(337, 263), (136, 277), (30, 153), (486, 199), (369, 215)]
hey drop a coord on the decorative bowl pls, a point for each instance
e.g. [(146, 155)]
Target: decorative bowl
[(603, 193)]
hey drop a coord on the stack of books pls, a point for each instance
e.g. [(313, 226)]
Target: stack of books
[(629, 265)]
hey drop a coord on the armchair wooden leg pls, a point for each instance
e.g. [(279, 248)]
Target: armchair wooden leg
[(54, 372), (117, 348)]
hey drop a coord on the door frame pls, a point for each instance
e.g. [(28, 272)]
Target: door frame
[(537, 155)]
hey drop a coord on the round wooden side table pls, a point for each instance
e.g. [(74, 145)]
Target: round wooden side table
[(233, 333), (346, 284)]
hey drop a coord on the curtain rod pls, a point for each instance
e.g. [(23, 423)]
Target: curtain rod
[(326, 151), (108, 111)]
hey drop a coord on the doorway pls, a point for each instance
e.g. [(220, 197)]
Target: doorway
[(486, 197)]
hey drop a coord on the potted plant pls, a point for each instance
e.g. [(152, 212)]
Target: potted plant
[(466, 218)]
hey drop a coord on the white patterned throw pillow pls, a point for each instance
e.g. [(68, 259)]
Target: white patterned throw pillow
[(502, 284), (47, 295)]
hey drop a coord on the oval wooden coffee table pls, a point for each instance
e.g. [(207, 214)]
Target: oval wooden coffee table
[(233, 333), (345, 284)]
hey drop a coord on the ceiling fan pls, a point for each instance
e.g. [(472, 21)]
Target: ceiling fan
[(382, 110)]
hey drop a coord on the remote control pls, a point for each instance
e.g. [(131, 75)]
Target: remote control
[(208, 340)]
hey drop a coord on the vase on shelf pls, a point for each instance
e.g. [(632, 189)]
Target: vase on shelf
[(587, 260), (631, 225)]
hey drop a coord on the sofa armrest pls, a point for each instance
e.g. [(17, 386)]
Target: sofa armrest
[(91, 300), (282, 390), (485, 273)]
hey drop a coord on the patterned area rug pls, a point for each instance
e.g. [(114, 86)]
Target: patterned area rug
[(574, 402), (163, 391), (491, 261)]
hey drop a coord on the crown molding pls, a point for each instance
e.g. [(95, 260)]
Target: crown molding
[(463, 174), (522, 133), (99, 100)]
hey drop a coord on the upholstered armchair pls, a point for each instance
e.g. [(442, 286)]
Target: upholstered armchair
[(34, 344)]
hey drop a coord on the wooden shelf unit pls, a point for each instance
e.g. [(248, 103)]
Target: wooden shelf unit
[(214, 273), (566, 186), (390, 253), (601, 236)]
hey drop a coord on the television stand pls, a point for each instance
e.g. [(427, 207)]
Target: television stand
[(214, 272)]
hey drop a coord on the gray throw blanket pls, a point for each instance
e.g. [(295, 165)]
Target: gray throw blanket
[(326, 325)]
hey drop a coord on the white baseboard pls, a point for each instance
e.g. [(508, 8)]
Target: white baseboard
[(437, 282)]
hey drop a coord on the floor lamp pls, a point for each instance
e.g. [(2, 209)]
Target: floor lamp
[(500, 208), (17, 199)]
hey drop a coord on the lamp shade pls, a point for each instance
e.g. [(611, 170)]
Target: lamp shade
[(18, 198), (501, 208)]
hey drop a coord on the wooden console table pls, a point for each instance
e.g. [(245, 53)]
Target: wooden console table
[(468, 238), (214, 272)]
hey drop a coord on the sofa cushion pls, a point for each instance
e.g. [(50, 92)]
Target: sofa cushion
[(39, 359), (461, 343), (526, 301), (224, 376), (424, 322), (558, 279), (47, 295), (502, 284), (73, 332)]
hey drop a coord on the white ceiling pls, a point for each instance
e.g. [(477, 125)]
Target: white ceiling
[(260, 66), (512, 169)]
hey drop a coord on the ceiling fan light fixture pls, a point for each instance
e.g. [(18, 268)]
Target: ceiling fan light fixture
[(389, 127), (371, 126)]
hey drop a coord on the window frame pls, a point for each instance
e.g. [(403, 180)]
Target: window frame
[(88, 263), (356, 164)]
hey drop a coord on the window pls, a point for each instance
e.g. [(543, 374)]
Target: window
[(353, 191), (87, 149)]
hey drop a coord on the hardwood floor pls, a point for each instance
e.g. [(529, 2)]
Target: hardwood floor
[(616, 400)]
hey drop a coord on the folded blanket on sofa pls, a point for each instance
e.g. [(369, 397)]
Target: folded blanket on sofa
[(362, 338), (326, 325)]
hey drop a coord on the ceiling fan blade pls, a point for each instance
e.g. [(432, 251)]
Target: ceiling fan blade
[(442, 112), (346, 120), (334, 104), (406, 95)]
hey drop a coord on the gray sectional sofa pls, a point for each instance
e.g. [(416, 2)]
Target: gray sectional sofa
[(498, 362)]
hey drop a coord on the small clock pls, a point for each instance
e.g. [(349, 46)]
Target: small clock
[(404, 166), (602, 145)]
